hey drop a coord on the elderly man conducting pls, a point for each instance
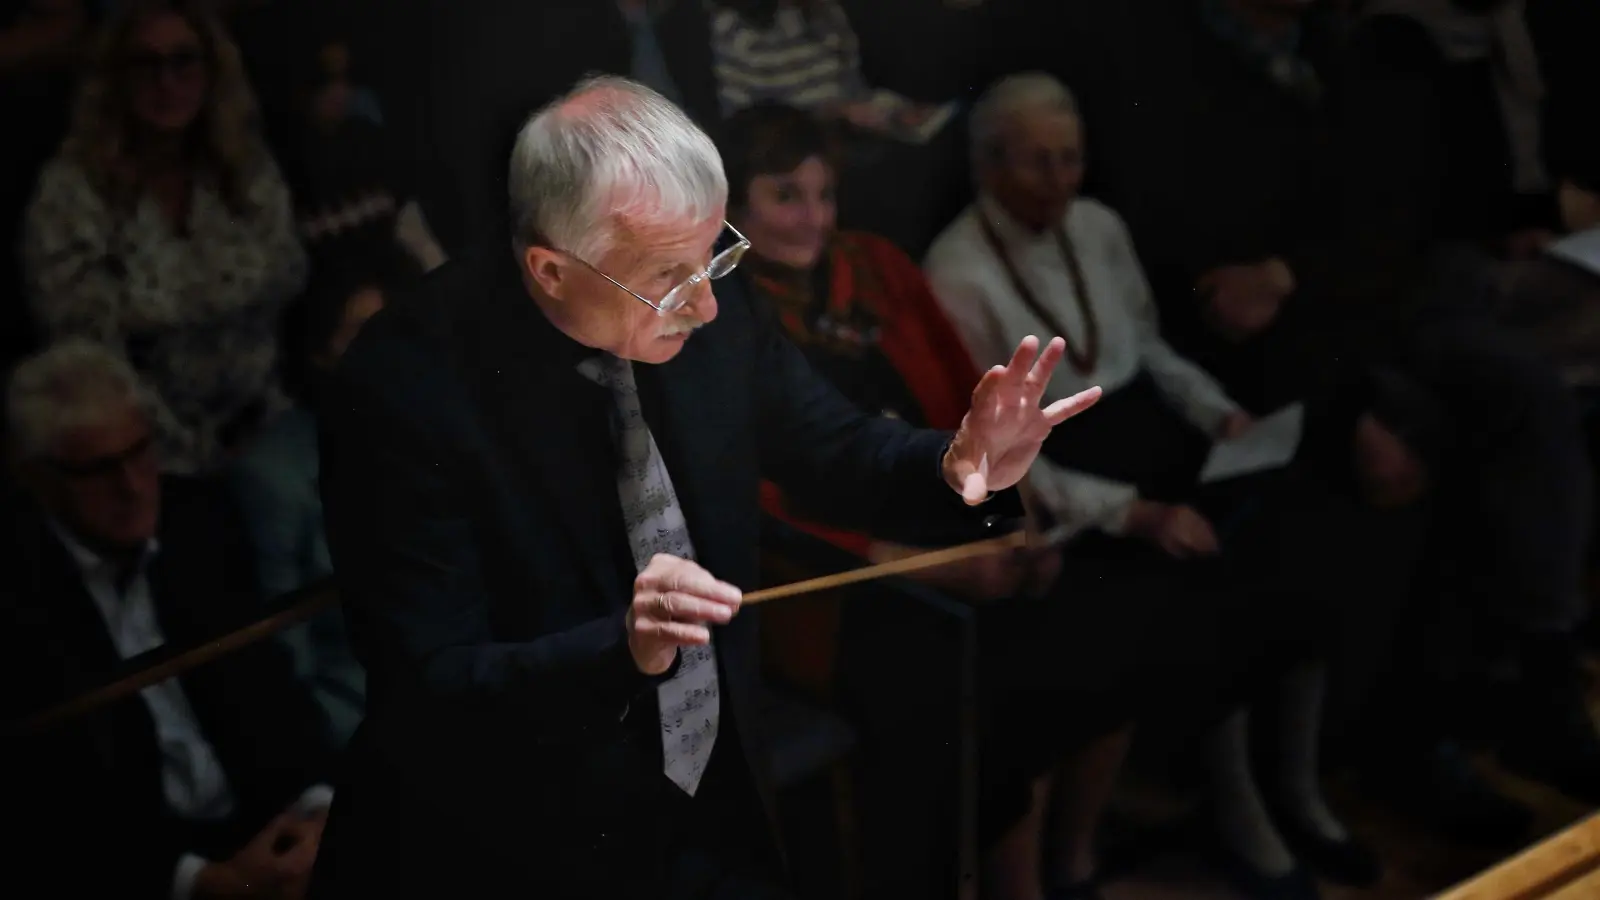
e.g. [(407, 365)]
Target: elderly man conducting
[(542, 502)]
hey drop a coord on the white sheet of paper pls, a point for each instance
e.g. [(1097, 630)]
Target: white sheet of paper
[(1270, 444), (892, 105), (1581, 249)]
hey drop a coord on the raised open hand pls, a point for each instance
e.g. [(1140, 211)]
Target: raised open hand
[(1003, 431)]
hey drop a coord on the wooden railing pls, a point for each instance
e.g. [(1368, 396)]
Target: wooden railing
[(1566, 866), (158, 665)]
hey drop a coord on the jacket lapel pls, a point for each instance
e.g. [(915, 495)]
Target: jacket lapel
[(61, 598), (66, 635), (556, 424)]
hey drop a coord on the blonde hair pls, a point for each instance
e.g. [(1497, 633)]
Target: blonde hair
[(226, 142)]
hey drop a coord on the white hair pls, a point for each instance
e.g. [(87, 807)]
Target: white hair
[(1010, 97), (74, 384), (611, 149)]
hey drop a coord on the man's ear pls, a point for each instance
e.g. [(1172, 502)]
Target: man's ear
[(546, 268)]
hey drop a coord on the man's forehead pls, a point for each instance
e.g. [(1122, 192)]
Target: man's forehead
[(1040, 124), (639, 241)]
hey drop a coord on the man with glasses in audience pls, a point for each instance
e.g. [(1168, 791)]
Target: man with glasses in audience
[(206, 786), (542, 498)]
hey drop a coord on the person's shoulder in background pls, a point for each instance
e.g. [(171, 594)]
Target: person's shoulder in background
[(954, 244)]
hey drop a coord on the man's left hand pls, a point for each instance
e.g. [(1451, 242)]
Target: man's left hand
[(1003, 431)]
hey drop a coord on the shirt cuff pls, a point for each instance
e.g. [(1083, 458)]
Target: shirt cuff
[(315, 798), (938, 472), (184, 876)]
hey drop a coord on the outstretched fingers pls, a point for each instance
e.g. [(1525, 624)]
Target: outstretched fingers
[(1062, 410)]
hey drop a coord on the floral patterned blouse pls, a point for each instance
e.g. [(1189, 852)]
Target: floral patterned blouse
[(195, 310)]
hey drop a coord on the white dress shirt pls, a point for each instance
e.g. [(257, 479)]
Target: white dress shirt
[(981, 301), (192, 778)]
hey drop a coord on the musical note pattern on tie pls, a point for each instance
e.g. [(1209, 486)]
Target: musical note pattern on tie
[(690, 701)]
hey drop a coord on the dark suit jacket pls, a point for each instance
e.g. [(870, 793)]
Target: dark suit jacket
[(458, 78), (91, 791), (511, 745)]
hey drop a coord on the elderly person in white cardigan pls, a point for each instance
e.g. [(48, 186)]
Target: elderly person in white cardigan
[(1029, 254)]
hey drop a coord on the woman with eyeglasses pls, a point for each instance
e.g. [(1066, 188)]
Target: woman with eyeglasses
[(164, 230)]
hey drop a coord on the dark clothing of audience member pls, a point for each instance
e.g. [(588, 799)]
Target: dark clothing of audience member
[(1472, 171), (1563, 33), (38, 37), (96, 791), (462, 114), (351, 206), (1259, 173)]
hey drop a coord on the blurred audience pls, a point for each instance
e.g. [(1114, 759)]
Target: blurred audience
[(1288, 262), (1464, 78), (898, 157), (1554, 297), (276, 480), (39, 41), (801, 53), (209, 787), (163, 230), (1031, 257), (863, 314), (489, 65), (359, 214)]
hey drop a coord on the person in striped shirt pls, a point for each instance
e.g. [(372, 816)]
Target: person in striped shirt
[(802, 53)]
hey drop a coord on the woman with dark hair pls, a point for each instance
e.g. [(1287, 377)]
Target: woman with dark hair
[(863, 314), (164, 230)]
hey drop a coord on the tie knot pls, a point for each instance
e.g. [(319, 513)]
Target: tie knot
[(608, 371)]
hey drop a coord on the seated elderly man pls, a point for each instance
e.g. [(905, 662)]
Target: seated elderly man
[(1218, 570), (206, 786)]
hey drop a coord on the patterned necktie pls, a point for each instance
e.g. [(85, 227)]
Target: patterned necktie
[(690, 699)]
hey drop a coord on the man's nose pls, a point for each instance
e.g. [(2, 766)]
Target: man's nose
[(702, 301)]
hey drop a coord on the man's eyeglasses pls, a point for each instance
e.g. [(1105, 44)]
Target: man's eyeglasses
[(724, 262)]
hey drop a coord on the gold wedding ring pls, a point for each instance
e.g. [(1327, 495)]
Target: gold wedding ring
[(665, 605)]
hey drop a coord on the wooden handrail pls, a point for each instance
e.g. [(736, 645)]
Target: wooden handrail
[(1585, 888), (1548, 870), (300, 606)]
